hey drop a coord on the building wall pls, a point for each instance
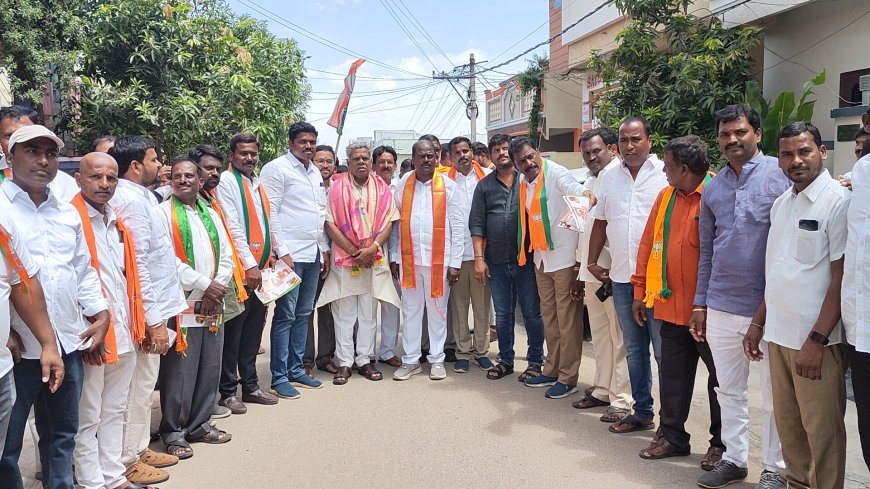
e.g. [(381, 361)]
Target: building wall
[(558, 48), (812, 37)]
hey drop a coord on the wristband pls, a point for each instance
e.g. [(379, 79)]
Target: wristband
[(699, 309), (759, 326)]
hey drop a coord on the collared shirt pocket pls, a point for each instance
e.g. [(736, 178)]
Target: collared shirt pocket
[(811, 246)]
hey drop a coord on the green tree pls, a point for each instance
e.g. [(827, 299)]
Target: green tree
[(784, 110), (186, 72), (675, 69), (39, 43), (530, 83)]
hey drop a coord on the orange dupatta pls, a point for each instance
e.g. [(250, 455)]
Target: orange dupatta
[(439, 225), (14, 260), (134, 292), (238, 271), (474, 166), (538, 225)]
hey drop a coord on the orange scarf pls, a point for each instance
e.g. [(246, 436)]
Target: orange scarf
[(439, 225), (474, 165), (7, 173), (134, 292), (537, 224), (238, 271), (13, 259)]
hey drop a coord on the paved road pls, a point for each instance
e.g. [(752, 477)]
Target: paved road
[(465, 431)]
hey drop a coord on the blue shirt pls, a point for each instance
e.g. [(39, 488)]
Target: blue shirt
[(734, 223)]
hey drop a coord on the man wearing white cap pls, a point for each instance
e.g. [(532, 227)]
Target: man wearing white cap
[(14, 117), (56, 243)]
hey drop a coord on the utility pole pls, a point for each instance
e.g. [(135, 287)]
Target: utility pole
[(465, 72)]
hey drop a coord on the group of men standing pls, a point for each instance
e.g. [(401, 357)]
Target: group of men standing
[(116, 287)]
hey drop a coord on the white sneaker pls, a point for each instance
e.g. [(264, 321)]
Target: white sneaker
[(438, 372), (407, 370)]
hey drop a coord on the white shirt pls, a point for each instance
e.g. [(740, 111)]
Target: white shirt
[(64, 186), (422, 223), (297, 202), (856, 273), (53, 236), (625, 203), (136, 206), (593, 184), (798, 261), (230, 197), (197, 280), (8, 278), (559, 182), (466, 185), (110, 255)]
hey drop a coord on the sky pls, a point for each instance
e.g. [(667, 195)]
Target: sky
[(394, 88)]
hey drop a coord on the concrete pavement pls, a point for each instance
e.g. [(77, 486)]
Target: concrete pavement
[(465, 431)]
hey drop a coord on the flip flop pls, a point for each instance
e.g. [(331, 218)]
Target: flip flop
[(589, 402)]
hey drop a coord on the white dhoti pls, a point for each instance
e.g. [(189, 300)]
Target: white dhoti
[(414, 302), (354, 297)]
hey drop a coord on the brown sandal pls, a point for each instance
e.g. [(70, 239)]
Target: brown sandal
[(631, 423), (613, 414), (214, 437), (183, 452), (714, 454), (370, 372), (329, 367), (531, 372), (393, 362), (661, 449), (341, 376), (589, 402), (499, 371)]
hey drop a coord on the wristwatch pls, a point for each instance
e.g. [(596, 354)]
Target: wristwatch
[(819, 338)]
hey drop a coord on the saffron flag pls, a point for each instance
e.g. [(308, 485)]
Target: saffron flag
[(340, 112)]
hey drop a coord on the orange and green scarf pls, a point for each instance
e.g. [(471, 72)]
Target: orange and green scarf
[(238, 271), (134, 291), (259, 242), (182, 240), (537, 223), (6, 173), (657, 267), (439, 225)]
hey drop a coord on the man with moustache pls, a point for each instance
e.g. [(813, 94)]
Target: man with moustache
[(190, 373), (76, 307), (246, 210), (162, 298), (800, 314), (297, 204), (465, 293), (734, 225), (107, 373), (610, 385), (12, 118), (385, 158), (493, 220), (359, 219), (429, 254), (627, 196), (324, 158), (543, 186), (481, 155)]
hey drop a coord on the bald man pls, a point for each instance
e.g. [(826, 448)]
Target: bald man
[(107, 373)]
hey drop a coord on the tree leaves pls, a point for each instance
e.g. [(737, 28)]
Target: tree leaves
[(184, 73), (675, 69)]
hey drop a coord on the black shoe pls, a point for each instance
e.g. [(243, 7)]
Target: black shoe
[(449, 355)]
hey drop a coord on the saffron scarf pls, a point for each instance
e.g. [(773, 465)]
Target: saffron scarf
[(360, 222), (657, 267), (259, 242), (6, 173), (474, 165), (238, 271), (14, 260), (537, 223), (182, 240), (134, 291), (439, 225)]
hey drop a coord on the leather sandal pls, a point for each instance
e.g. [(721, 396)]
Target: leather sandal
[(341, 376), (329, 367), (662, 449), (370, 372), (589, 402), (183, 452), (714, 454)]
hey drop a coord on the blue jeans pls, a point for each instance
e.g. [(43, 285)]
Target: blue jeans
[(290, 325), (637, 341), (510, 282), (57, 422)]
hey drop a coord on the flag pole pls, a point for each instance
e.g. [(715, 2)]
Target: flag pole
[(340, 112)]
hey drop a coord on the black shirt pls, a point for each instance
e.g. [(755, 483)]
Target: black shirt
[(494, 216)]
